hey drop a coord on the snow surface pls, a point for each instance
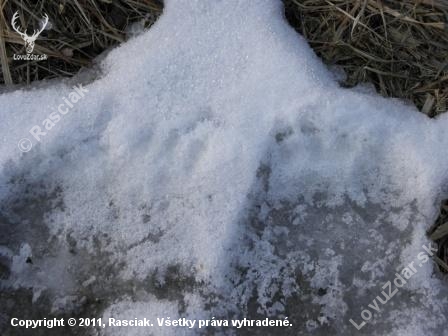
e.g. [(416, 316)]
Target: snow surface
[(217, 169)]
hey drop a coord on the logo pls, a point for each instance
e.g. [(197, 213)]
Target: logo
[(29, 40)]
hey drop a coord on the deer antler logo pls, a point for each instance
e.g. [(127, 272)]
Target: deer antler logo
[(29, 40)]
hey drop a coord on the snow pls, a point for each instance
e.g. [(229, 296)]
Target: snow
[(216, 163)]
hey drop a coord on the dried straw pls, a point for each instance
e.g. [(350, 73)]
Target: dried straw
[(400, 46), (439, 234), (80, 30)]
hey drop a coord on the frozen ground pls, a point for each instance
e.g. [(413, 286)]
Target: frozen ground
[(217, 169)]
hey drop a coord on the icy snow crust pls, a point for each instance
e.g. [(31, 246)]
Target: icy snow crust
[(217, 169)]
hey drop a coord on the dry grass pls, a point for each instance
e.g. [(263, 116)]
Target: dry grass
[(439, 234), (80, 30), (401, 46)]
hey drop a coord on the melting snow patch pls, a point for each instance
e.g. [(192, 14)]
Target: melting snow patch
[(216, 169)]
